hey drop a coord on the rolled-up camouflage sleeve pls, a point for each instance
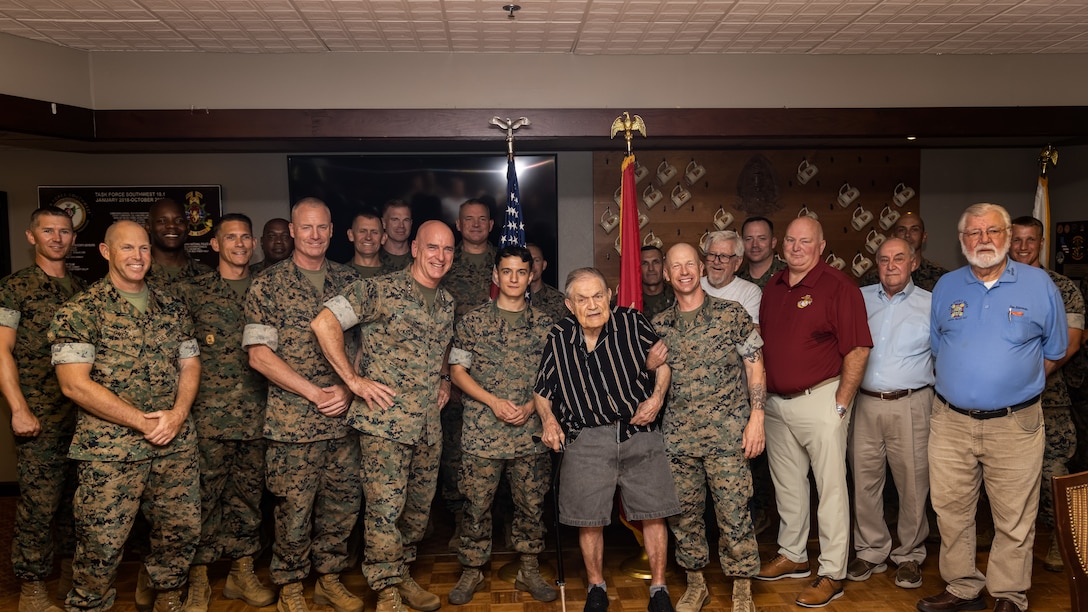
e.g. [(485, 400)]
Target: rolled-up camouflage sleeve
[(342, 310), (188, 349), (73, 335), (73, 352), (9, 318), (751, 345), (359, 302), (255, 333)]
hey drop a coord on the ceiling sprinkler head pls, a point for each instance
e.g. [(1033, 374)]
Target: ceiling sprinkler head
[(511, 9)]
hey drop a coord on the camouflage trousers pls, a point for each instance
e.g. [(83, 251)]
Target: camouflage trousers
[(730, 483), (317, 497), (1061, 443), (231, 483), (166, 490), (449, 471), (528, 477), (399, 482), (43, 519)]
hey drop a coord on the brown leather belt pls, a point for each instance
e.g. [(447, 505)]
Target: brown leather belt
[(891, 395), (991, 414), (808, 391)]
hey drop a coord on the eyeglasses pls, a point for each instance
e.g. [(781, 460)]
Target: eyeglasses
[(720, 257), (991, 233)]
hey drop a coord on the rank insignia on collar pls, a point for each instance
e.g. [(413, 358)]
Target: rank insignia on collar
[(804, 302), (209, 339), (957, 309)]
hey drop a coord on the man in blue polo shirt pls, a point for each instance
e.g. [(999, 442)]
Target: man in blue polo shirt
[(997, 329)]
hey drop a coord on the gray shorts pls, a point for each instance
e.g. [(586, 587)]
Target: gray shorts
[(595, 464)]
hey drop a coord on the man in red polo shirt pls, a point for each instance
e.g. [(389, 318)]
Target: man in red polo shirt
[(816, 342)]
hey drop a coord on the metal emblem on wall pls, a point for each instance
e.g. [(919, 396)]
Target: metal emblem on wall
[(94, 208)]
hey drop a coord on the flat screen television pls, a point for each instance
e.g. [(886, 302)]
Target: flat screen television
[(434, 186)]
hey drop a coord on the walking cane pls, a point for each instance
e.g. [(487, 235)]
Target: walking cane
[(560, 577)]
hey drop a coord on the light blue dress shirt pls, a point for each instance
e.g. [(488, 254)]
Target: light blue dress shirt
[(901, 356)]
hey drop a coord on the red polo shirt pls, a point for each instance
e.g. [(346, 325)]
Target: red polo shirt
[(808, 328)]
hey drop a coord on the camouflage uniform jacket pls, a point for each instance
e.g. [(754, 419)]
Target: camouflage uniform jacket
[(926, 276), (776, 266), (133, 355), (28, 300), (708, 406), (470, 285), (192, 269), (280, 305), (502, 359), (1076, 369), (403, 342), (394, 263), (552, 302), (653, 304), (1056, 393), (230, 402)]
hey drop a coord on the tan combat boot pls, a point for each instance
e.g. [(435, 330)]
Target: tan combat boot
[(389, 600), (529, 579), (200, 591), (696, 596), (34, 598), (243, 584), (471, 580), (145, 593), (742, 595), (329, 591), (169, 601), (414, 595), (291, 599)]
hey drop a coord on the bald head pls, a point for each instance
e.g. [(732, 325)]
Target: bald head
[(683, 268), (803, 245), (433, 253), (122, 229), (128, 250)]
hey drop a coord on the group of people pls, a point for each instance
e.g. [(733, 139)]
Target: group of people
[(154, 408)]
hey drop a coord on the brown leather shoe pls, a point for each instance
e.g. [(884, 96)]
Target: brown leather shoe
[(781, 567), (820, 593), (947, 602), (1004, 605)]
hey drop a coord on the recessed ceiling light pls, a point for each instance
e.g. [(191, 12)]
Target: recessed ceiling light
[(912, 138)]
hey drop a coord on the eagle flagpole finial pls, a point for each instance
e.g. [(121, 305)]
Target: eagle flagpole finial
[(628, 124)]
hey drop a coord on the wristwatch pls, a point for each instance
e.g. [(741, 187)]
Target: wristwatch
[(840, 409), (445, 377)]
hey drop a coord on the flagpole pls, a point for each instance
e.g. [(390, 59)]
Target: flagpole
[(630, 289), (1041, 209)]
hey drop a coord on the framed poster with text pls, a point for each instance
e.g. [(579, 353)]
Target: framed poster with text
[(93, 209)]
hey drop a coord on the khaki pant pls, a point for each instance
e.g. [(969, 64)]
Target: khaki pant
[(806, 432), (1005, 453), (895, 432)]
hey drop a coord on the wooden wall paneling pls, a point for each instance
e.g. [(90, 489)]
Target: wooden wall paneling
[(847, 190)]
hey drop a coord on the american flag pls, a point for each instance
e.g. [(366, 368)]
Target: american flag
[(513, 228)]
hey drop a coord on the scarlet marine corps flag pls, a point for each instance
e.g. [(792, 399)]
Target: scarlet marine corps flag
[(630, 290)]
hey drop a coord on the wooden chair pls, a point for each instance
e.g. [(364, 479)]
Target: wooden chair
[(1071, 525)]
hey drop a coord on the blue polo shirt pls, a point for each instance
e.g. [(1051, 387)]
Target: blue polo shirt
[(899, 324), (990, 343)]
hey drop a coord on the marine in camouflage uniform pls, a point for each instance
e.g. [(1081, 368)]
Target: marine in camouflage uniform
[(706, 421), (469, 283), (229, 418), (405, 324), (926, 276), (28, 300), (550, 301), (1075, 372), (777, 265), (1061, 435), (147, 361), (404, 340), (311, 460), (501, 357)]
